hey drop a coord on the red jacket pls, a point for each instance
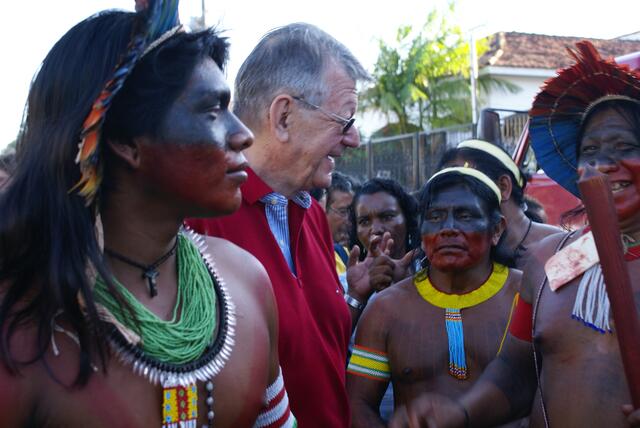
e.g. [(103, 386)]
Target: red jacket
[(315, 324)]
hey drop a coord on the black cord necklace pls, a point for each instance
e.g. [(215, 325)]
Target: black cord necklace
[(520, 247), (150, 272)]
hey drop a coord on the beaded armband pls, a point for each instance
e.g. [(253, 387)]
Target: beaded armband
[(369, 363), (276, 412)]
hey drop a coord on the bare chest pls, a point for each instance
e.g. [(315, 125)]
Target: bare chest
[(120, 398), (579, 361), (419, 345)]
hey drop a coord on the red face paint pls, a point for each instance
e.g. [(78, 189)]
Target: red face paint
[(197, 160), (456, 231), (194, 176)]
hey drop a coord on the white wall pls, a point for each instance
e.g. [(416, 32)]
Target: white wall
[(528, 80)]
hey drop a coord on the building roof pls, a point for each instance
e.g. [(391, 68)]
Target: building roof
[(524, 50)]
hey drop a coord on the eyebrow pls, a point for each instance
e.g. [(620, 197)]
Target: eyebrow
[(212, 95), (455, 207)]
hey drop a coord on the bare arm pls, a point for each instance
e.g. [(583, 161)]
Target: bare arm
[(366, 388), (503, 393)]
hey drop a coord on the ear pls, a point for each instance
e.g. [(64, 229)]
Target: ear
[(506, 187), (128, 152), (279, 116), (498, 230)]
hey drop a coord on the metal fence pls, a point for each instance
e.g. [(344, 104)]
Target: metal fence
[(411, 159)]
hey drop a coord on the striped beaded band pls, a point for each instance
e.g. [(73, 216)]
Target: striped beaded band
[(369, 363), (276, 412)]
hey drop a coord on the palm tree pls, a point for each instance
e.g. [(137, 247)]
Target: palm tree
[(422, 80)]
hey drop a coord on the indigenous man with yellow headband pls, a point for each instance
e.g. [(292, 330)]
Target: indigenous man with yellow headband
[(521, 232), (562, 339), (112, 314), (437, 330)]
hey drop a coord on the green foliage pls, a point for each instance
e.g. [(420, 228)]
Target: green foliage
[(422, 79), (11, 147)]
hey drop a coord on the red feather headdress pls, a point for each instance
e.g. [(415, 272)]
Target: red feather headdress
[(565, 100)]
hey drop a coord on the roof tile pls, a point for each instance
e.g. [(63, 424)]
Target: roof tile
[(524, 50)]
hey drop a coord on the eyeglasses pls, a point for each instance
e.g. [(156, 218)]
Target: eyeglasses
[(342, 212), (346, 123)]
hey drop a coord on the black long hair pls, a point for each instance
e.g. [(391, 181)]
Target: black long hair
[(47, 234), (487, 197), (489, 165), (408, 206)]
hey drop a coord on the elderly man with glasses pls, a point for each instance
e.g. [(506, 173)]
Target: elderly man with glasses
[(297, 92)]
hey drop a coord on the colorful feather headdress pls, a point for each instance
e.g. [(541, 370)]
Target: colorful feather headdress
[(161, 23), (564, 101)]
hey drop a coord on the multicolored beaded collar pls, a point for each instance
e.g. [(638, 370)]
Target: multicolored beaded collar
[(180, 396)]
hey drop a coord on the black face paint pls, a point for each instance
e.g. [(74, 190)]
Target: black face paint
[(456, 231)]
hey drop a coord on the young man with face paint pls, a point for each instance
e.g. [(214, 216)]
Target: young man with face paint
[(437, 330), (111, 312), (588, 115), (521, 232), (297, 92)]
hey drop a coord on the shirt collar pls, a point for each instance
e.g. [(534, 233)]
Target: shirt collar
[(255, 189)]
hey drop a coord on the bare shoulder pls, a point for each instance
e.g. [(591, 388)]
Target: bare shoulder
[(533, 272), (235, 261), (245, 277), (542, 230), (514, 281), (387, 300)]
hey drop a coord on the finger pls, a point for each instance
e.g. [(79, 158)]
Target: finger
[(633, 415), (399, 418), (389, 247), (354, 255), (380, 282), (382, 260), (406, 259), (384, 245), (374, 246)]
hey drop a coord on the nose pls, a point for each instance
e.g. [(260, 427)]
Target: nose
[(604, 163), (240, 137), (377, 228), (352, 137), (448, 224)]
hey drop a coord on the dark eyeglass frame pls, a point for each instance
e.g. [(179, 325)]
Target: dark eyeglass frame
[(346, 123)]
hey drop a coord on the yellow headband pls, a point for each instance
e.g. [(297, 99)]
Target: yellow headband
[(497, 153), (473, 173)]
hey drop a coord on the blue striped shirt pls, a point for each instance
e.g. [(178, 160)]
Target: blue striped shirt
[(278, 219)]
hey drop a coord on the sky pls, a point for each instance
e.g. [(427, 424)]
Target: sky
[(31, 28)]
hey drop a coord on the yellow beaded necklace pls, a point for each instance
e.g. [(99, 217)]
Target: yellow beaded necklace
[(452, 304)]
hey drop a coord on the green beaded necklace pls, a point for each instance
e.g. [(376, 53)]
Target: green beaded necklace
[(185, 337)]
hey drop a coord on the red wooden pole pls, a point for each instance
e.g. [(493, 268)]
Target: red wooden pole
[(598, 200)]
